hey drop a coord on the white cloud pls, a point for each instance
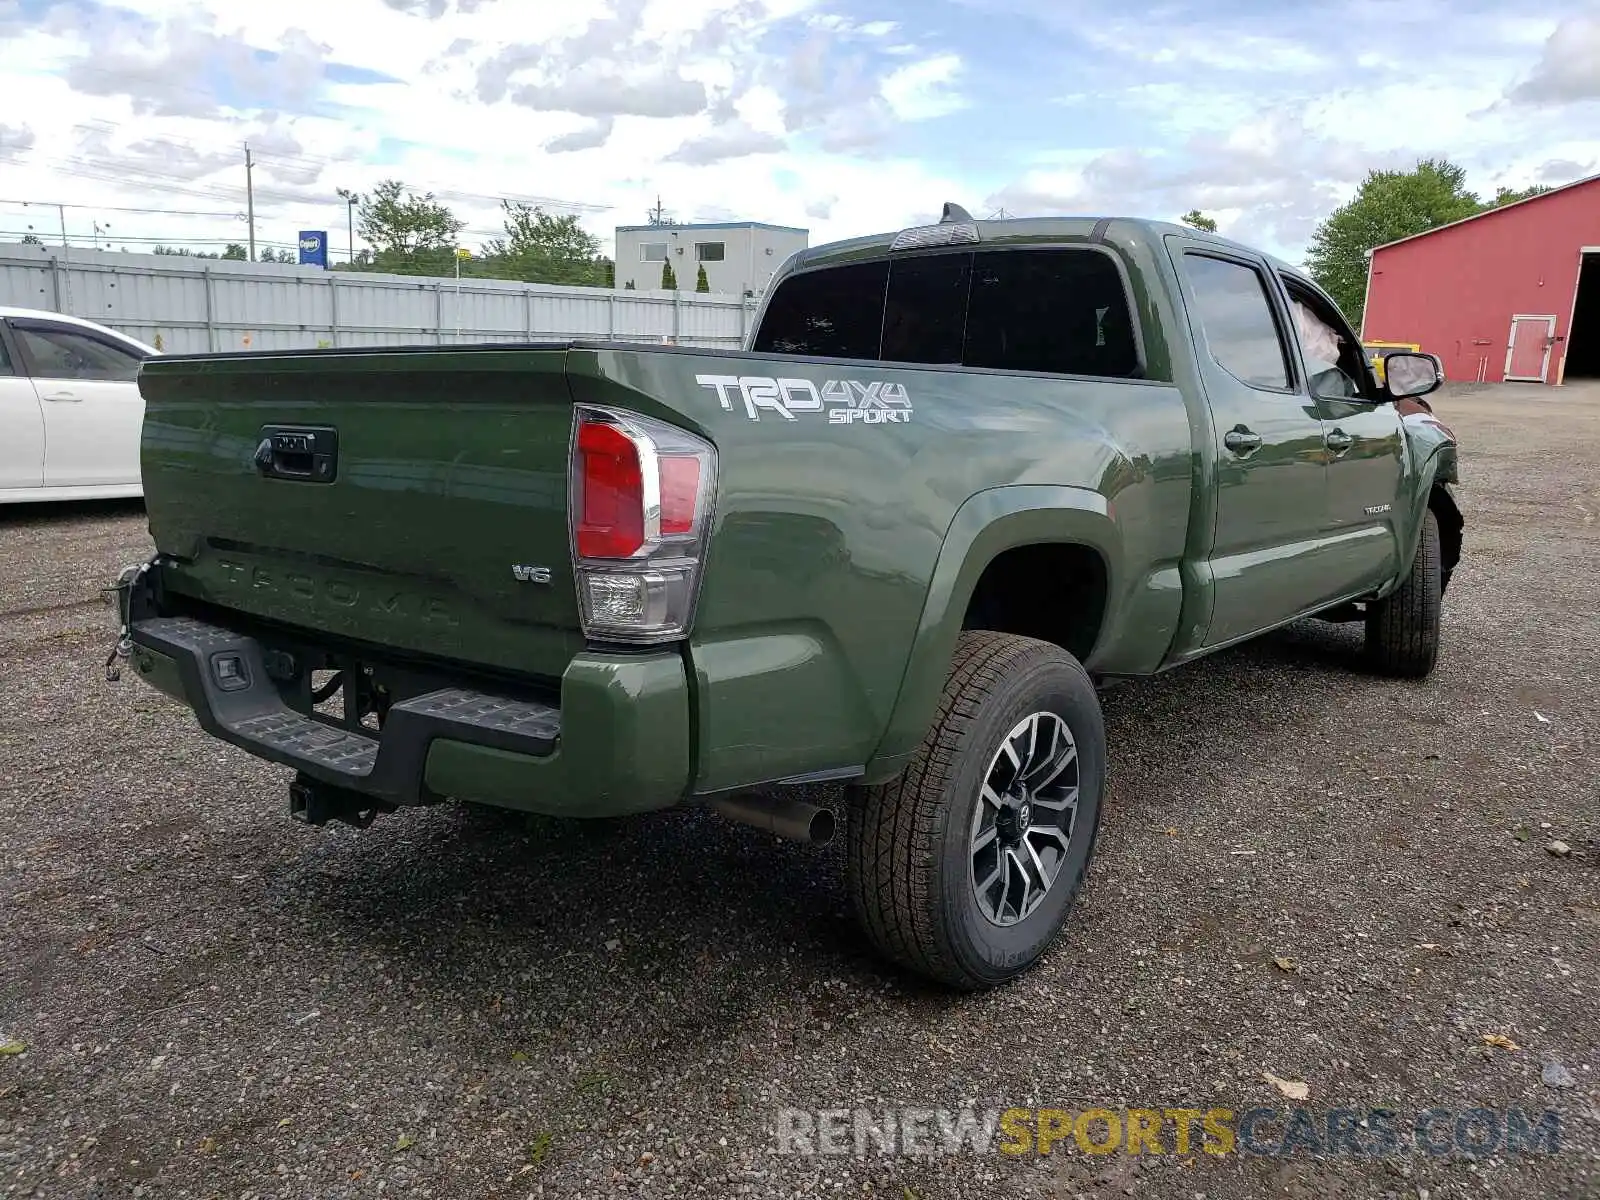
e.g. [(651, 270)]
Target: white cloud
[(589, 136), (16, 139), (655, 94), (1569, 68), (791, 111), (821, 208), (925, 89), (145, 142), (723, 144)]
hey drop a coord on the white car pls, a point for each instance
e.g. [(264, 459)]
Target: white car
[(70, 411)]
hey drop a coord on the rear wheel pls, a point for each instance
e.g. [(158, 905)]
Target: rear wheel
[(965, 867), (1403, 628)]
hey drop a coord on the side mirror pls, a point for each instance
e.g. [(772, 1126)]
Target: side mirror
[(1409, 374)]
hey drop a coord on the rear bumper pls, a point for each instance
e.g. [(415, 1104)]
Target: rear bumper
[(618, 743)]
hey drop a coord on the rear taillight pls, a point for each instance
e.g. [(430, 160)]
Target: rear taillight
[(610, 523), (641, 501)]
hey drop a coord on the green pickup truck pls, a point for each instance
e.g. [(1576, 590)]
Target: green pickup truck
[(960, 476)]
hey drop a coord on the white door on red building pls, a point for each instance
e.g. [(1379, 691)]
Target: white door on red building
[(1528, 351)]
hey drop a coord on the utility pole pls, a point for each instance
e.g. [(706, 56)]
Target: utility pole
[(66, 256), (250, 198)]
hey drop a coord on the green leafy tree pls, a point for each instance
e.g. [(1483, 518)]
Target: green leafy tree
[(410, 233), (1504, 196), (1198, 220), (1388, 206), (362, 262), (235, 252), (542, 248), (701, 283), (669, 281), (181, 252)]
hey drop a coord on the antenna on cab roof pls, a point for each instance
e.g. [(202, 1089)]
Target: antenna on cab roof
[(954, 213)]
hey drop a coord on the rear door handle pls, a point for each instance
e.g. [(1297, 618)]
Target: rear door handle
[(63, 398), (1241, 440), (1339, 441)]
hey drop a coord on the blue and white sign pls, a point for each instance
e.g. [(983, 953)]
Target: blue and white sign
[(314, 248)]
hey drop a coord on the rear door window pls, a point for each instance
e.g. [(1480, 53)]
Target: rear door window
[(1061, 311), (835, 313), (925, 313)]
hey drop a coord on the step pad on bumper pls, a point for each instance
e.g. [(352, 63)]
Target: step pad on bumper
[(250, 713), (488, 712), (301, 737)]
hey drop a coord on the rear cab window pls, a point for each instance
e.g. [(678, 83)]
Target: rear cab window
[(1056, 310)]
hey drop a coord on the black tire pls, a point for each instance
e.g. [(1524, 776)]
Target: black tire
[(1403, 628), (909, 853)]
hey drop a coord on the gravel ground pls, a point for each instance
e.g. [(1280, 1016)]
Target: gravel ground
[(216, 1002)]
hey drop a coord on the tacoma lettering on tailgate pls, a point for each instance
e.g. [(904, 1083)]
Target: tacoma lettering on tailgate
[(314, 593)]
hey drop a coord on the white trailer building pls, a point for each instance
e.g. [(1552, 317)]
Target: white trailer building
[(739, 256)]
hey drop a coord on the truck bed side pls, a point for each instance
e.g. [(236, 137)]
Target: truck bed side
[(832, 530)]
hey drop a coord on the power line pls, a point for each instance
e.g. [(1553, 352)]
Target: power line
[(145, 178), (112, 236), (440, 190), (165, 212)]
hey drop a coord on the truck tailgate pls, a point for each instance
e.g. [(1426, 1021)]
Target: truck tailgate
[(414, 500)]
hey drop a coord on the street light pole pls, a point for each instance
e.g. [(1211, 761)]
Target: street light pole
[(351, 199)]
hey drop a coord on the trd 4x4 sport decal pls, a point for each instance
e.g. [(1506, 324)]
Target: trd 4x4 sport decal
[(846, 401)]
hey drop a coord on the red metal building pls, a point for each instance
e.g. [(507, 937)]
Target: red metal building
[(1512, 294)]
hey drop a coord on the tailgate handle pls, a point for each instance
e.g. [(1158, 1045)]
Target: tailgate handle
[(307, 454)]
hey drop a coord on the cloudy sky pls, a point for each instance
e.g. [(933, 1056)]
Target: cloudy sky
[(844, 116)]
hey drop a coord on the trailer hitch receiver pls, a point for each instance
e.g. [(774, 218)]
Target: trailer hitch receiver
[(316, 803)]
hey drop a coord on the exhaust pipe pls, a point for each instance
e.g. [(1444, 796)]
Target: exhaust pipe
[(792, 820)]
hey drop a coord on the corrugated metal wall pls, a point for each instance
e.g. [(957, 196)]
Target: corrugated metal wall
[(191, 305), (1457, 290)]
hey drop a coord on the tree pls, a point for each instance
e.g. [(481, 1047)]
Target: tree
[(669, 281), (1504, 196), (1198, 220), (181, 252), (235, 252), (541, 248), (701, 283), (410, 234), (1388, 206)]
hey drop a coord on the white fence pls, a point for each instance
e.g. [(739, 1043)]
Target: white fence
[(188, 305)]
